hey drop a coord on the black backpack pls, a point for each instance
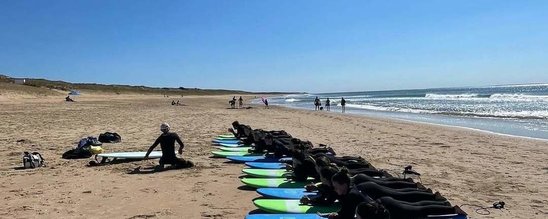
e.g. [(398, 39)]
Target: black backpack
[(78, 153), (110, 137)]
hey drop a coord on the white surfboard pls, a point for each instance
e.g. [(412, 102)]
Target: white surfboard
[(132, 155)]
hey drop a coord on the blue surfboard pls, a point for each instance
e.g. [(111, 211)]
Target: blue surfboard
[(260, 158), (266, 165), (284, 193), (231, 141), (231, 145), (283, 216)]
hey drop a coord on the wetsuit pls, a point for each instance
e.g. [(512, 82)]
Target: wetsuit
[(390, 182), (326, 195), (303, 167), (377, 191), (350, 201), (405, 210), (242, 131), (167, 143)]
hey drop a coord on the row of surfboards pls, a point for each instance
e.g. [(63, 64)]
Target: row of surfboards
[(280, 197)]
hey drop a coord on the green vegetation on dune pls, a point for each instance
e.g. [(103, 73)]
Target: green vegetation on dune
[(119, 89)]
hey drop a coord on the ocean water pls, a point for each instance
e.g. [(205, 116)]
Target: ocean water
[(520, 110)]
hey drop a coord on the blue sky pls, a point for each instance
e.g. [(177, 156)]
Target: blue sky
[(313, 46)]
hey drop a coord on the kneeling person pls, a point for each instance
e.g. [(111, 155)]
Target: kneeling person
[(167, 143)]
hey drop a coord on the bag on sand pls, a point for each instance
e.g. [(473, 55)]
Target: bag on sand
[(110, 137), (96, 149), (83, 152), (89, 141), (32, 160)]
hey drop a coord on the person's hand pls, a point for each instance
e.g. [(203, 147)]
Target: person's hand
[(288, 167), (332, 215), (305, 200), (180, 150), (230, 129), (310, 187)]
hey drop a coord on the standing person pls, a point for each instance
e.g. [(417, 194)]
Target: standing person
[(343, 104), (316, 103), (167, 143), (327, 104), (240, 102), (265, 103)]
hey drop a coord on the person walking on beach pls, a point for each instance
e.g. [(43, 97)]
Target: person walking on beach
[(317, 103), (343, 104), (167, 143), (265, 103), (327, 104), (240, 102)]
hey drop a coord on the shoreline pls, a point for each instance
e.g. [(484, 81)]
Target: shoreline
[(419, 122)]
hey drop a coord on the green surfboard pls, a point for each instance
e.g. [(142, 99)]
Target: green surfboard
[(230, 153), (292, 206), (234, 149), (265, 173), (273, 183), (227, 135)]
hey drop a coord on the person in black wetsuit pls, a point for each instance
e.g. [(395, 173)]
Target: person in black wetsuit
[(326, 194), (240, 131), (387, 207), (167, 143), (349, 196), (343, 104)]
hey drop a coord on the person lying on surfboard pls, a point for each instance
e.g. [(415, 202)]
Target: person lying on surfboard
[(167, 143)]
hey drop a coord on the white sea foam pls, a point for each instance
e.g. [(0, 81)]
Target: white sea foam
[(450, 96), (392, 109), (519, 97)]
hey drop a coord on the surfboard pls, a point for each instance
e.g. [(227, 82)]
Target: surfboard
[(132, 155), (232, 145), (222, 139), (283, 216), (284, 193), (226, 141), (292, 206), (258, 158), (230, 153), (272, 183), (240, 149), (265, 173), (227, 135), (266, 165)]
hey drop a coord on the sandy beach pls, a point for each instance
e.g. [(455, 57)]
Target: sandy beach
[(466, 166)]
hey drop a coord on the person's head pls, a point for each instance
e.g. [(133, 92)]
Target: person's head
[(321, 161), (268, 139), (326, 173), (235, 124), (371, 210), (164, 127), (341, 182)]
